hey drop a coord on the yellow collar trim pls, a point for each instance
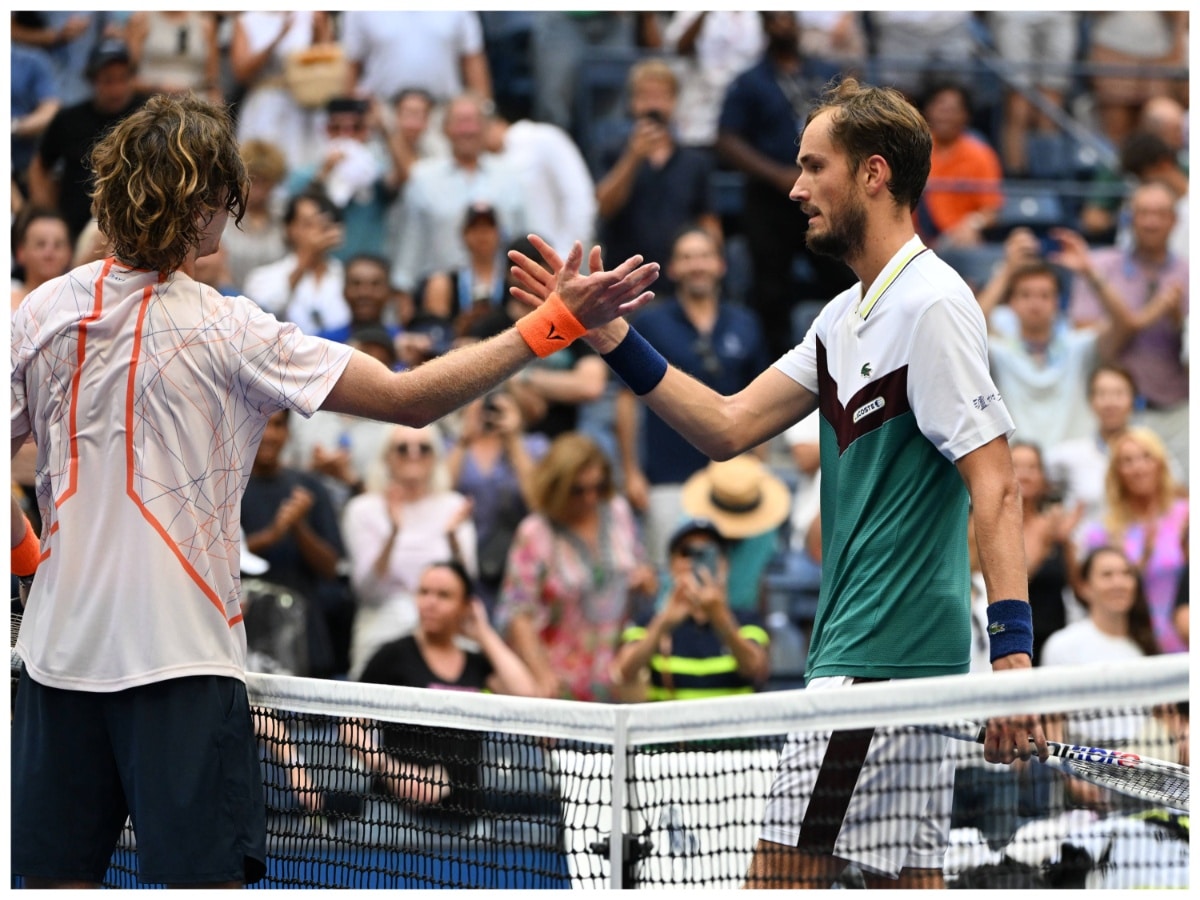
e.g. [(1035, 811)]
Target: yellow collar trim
[(901, 260)]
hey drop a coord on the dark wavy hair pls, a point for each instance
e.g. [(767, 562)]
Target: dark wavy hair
[(1141, 631), (159, 176), (869, 120)]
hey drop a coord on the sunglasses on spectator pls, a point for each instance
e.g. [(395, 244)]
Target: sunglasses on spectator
[(413, 450), (596, 487), (696, 550)]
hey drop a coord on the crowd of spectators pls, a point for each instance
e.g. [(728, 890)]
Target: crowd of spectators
[(380, 216)]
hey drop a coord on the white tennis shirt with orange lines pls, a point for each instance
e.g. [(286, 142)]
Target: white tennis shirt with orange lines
[(147, 398)]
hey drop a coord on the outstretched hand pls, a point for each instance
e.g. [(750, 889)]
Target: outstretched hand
[(594, 299)]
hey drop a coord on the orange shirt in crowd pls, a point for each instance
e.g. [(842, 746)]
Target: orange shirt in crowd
[(966, 159)]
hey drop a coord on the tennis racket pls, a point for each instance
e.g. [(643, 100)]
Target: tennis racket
[(1144, 777)]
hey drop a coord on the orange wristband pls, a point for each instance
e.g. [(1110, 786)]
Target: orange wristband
[(25, 555), (550, 327)]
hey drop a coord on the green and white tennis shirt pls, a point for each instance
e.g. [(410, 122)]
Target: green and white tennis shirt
[(902, 377)]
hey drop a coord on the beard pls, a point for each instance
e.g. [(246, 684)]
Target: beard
[(844, 238)]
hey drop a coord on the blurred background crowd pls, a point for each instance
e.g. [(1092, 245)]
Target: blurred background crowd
[(396, 156)]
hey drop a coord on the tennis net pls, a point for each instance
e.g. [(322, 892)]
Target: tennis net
[(376, 786)]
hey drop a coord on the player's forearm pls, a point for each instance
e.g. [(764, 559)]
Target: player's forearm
[(997, 516), (423, 395)]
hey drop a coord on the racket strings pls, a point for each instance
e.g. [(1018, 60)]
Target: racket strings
[(1152, 782)]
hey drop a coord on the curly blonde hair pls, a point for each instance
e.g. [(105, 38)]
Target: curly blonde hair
[(160, 176)]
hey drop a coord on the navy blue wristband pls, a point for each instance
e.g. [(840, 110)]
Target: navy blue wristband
[(636, 363), (1010, 628)]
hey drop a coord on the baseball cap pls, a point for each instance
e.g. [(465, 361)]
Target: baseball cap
[(694, 526), (479, 211), (109, 50)]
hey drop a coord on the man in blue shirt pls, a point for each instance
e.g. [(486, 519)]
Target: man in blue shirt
[(34, 99), (648, 186), (764, 110), (722, 345)]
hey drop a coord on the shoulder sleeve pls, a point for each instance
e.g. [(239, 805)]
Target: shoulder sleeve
[(950, 389), (280, 367), (800, 363)]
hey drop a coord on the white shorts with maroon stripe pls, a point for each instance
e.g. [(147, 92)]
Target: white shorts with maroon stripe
[(879, 800)]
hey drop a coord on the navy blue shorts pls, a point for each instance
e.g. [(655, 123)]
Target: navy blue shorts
[(178, 756)]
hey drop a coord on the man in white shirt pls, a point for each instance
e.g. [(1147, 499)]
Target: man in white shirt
[(440, 52), (559, 193), (428, 236)]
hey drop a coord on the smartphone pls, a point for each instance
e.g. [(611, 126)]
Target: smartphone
[(491, 412), (704, 559)]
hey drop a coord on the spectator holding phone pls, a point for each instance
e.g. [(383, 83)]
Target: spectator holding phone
[(1042, 365), (649, 187), (694, 646)]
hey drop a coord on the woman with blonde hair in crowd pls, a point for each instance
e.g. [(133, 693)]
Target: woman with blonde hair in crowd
[(392, 534), (1144, 516), (573, 564)]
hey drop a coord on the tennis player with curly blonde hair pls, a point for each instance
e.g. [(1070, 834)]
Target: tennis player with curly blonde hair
[(146, 393)]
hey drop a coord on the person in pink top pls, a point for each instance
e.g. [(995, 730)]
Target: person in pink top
[(1145, 517), (146, 394), (573, 565)]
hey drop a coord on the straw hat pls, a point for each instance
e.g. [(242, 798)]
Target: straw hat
[(739, 495)]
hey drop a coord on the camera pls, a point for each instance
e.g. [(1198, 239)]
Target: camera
[(491, 411)]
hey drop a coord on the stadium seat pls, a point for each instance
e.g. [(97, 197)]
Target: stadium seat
[(1035, 208)]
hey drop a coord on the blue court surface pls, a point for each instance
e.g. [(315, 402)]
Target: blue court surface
[(361, 867)]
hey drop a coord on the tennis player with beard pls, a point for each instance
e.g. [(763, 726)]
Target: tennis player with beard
[(913, 431), (147, 393)]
